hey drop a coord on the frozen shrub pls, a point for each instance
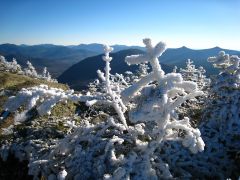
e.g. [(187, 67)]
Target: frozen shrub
[(143, 137), (121, 149), (30, 70), (43, 98), (46, 76), (191, 73), (220, 126), (12, 66)]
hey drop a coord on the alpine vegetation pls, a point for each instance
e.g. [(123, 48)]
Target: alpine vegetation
[(43, 98), (220, 127), (111, 90), (30, 70), (194, 107), (12, 66), (132, 127), (225, 100), (131, 139), (191, 73)]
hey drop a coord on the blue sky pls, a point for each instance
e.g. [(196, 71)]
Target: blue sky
[(196, 24)]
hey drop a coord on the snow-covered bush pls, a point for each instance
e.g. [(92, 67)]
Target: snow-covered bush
[(225, 99), (30, 71), (193, 107), (220, 127), (46, 76), (141, 135), (12, 66), (161, 100), (229, 70), (191, 73), (128, 147)]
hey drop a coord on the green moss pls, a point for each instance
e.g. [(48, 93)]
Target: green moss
[(61, 127), (64, 109)]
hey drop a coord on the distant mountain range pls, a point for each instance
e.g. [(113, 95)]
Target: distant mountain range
[(61, 60), (79, 75), (99, 47), (179, 56), (56, 58)]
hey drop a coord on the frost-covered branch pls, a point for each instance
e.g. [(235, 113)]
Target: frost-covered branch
[(44, 97), (112, 90)]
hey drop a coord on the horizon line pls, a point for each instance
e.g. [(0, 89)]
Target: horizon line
[(66, 45)]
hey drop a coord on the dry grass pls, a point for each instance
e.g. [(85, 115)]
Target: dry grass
[(64, 109)]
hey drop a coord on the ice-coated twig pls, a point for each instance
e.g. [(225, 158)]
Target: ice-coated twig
[(44, 97), (116, 100)]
